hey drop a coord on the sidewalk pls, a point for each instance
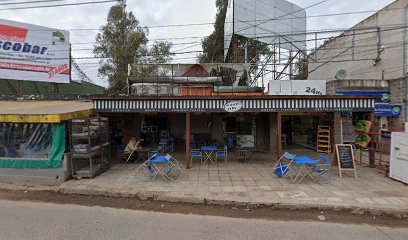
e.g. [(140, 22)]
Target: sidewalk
[(250, 184)]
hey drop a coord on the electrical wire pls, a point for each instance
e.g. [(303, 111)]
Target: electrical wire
[(58, 5)]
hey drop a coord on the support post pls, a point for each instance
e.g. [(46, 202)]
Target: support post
[(372, 145), (279, 121), (188, 157)]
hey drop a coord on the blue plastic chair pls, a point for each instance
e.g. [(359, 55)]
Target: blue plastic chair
[(196, 153), (282, 167), (281, 170), (221, 154), (322, 171)]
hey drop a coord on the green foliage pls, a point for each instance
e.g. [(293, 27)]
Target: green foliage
[(213, 45), (302, 68), (363, 126), (121, 42)]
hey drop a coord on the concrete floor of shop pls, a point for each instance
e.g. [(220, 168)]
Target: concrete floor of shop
[(253, 183)]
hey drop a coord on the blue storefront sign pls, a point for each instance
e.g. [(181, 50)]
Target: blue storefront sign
[(385, 96), (388, 110), (386, 134)]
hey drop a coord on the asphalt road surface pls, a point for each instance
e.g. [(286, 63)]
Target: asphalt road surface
[(42, 221)]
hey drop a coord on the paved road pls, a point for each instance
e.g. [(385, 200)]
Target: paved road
[(42, 221)]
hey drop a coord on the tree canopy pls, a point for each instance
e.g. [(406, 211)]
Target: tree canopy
[(122, 41), (213, 45)]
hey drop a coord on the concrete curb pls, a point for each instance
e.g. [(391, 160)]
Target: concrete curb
[(163, 197)]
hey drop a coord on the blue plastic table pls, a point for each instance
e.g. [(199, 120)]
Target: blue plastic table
[(209, 150), (161, 165), (304, 160)]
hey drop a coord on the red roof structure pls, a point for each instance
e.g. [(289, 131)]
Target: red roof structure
[(196, 71)]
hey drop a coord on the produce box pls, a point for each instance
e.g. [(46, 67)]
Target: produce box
[(363, 126), (362, 140)]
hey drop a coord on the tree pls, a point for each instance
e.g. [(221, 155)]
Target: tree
[(122, 42), (213, 48), (213, 45), (302, 69)]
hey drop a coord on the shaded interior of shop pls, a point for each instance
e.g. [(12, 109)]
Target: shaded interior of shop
[(300, 130), (257, 132), (253, 131)]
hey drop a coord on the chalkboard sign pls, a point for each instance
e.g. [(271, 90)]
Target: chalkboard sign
[(345, 158), (345, 153)]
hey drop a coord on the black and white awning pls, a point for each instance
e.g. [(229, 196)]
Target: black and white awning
[(216, 105)]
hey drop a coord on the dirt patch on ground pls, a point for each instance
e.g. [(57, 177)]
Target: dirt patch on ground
[(249, 212)]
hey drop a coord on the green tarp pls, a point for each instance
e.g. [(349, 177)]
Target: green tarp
[(56, 153)]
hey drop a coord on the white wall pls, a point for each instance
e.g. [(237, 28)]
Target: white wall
[(356, 49)]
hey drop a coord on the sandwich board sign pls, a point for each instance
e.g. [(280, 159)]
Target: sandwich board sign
[(345, 158)]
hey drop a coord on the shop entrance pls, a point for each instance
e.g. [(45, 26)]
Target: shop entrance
[(300, 130), (241, 132), (154, 128)]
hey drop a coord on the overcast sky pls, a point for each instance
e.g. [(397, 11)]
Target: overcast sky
[(168, 12)]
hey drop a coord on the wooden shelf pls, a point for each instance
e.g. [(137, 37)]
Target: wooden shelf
[(323, 139)]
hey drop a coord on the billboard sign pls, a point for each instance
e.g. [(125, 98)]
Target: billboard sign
[(34, 53), (274, 22), (297, 87)]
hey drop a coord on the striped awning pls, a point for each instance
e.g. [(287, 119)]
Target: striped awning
[(215, 105)]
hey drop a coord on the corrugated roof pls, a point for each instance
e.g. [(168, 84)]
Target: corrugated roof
[(44, 111)]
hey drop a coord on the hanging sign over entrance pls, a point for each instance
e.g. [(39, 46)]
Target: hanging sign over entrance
[(233, 106)]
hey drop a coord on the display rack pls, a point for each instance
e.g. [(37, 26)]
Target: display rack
[(323, 139), (90, 149)]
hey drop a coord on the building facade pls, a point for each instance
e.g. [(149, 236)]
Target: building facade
[(377, 44)]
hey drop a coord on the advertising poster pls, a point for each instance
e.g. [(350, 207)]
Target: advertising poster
[(34, 53)]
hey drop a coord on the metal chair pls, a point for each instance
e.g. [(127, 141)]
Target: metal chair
[(322, 171), (137, 146), (221, 154), (281, 168), (196, 153), (157, 152), (177, 167), (167, 144), (244, 155)]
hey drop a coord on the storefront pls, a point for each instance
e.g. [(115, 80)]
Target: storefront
[(236, 130), (301, 129), (33, 135), (252, 121)]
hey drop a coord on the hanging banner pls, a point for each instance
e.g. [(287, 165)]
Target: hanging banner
[(34, 53)]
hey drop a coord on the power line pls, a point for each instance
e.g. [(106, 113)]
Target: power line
[(246, 21), (331, 48), (58, 5), (29, 2)]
